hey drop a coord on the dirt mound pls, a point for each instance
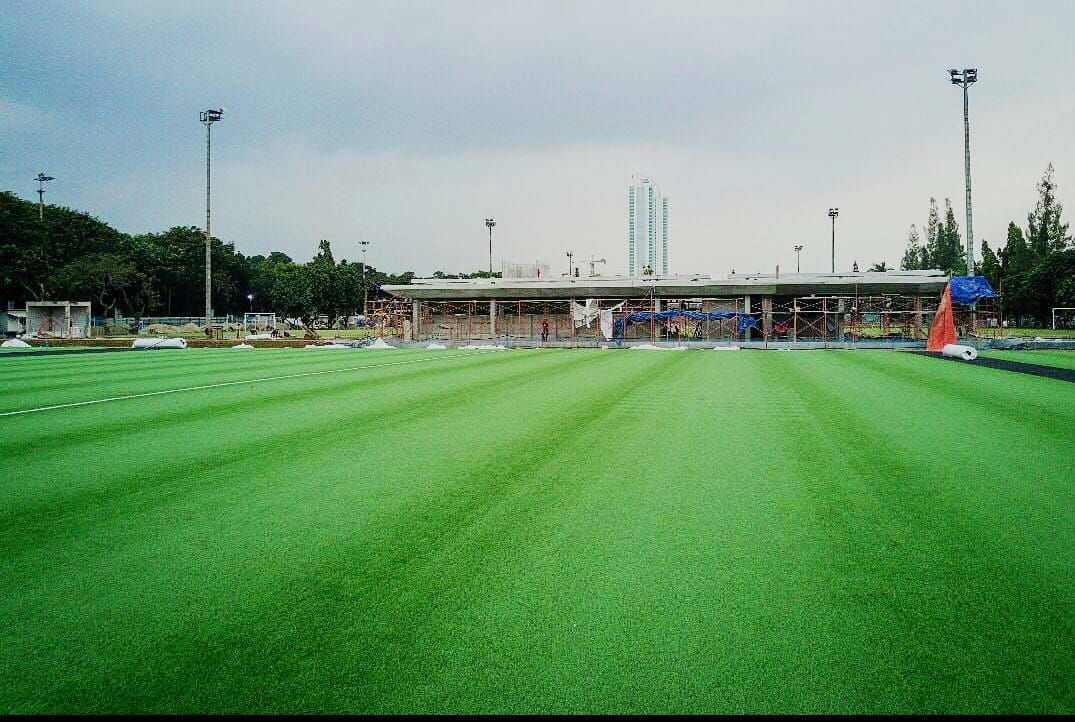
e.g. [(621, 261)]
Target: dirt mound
[(162, 328)]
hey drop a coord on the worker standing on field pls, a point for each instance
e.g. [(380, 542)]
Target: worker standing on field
[(544, 330)]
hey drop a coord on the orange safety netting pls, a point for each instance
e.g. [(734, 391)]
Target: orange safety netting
[(943, 329)]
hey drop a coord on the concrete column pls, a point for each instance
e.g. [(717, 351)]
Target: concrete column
[(918, 318), (767, 315), (492, 319), (415, 329), (746, 310)]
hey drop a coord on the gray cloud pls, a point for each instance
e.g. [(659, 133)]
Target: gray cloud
[(408, 123)]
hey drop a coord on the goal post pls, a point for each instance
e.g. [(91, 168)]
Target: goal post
[(255, 322), (1063, 317)]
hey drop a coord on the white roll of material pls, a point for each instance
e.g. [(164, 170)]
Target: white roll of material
[(955, 350), (147, 344)]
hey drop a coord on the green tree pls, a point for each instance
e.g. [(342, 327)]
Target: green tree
[(914, 254), (326, 289), (878, 267), (291, 295), (934, 230), (1045, 232), (990, 265), (950, 256), (108, 280)]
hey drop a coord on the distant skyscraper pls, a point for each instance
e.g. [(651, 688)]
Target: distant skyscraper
[(647, 228)]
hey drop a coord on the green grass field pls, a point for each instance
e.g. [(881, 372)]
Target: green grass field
[(545, 530)]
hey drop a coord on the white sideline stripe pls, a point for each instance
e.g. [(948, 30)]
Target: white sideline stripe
[(234, 383)]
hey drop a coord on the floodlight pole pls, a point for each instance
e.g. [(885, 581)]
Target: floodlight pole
[(833, 212), (208, 117), (363, 244), (570, 255), (41, 180), (964, 78), (798, 250), (489, 223)]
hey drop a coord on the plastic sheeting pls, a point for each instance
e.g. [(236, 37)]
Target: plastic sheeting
[(968, 289), (943, 330), (14, 343), (380, 344), (147, 344), (745, 321), (651, 347), (584, 315), (955, 350)]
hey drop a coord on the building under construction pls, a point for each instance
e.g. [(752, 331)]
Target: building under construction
[(816, 309)]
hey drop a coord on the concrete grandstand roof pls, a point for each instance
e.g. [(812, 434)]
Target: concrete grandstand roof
[(691, 286)]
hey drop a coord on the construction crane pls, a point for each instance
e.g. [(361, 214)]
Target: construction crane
[(594, 262)]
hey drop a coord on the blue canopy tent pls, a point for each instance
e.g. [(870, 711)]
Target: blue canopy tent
[(968, 290)]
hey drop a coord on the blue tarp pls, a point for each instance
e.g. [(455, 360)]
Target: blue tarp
[(968, 289), (745, 321)]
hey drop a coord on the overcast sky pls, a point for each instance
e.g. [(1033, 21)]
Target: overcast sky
[(408, 123)]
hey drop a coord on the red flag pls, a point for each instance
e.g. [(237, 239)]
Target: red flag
[(943, 329)]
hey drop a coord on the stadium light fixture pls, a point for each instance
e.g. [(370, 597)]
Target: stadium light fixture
[(489, 223), (964, 78), (798, 250), (364, 294), (41, 180), (833, 212), (208, 117)]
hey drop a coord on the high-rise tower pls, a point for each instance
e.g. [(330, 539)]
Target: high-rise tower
[(647, 228)]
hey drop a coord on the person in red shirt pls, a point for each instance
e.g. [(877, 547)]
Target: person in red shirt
[(544, 330)]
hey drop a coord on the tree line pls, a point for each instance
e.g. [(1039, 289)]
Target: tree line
[(70, 255), (1034, 270)]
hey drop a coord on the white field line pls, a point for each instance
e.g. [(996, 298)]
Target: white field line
[(221, 384)]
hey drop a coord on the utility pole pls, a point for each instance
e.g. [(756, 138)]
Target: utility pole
[(833, 212), (489, 223), (208, 117), (363, 244), (798, 250), (964, 78), (41, 179)]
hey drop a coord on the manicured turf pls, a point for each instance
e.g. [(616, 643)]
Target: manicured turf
[(843, 531), (1056, 359)]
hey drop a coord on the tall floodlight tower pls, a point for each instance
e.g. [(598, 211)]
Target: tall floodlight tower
[(363, 244), (798, 250), (964, 78), (41, 180), (208, 117), (489, 223), (833, 212)]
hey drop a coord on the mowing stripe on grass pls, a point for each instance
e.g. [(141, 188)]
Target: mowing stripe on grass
[(203, 387)]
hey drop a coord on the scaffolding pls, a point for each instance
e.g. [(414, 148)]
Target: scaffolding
[(807, 321)]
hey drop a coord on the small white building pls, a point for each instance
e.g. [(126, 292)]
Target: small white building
[(59, 319)]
